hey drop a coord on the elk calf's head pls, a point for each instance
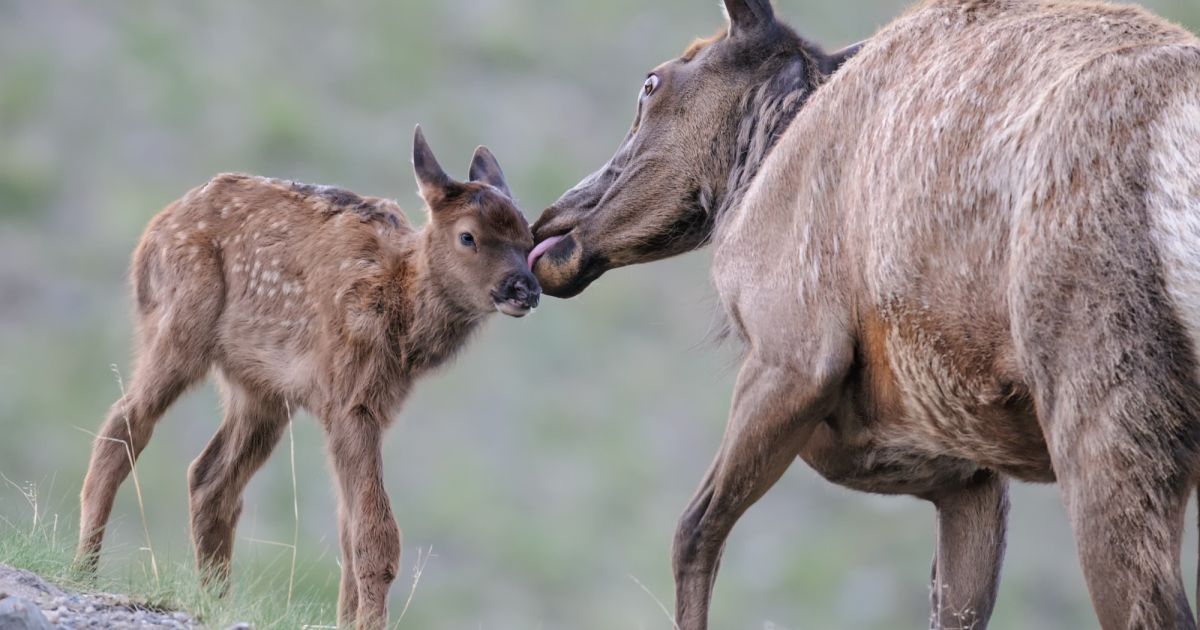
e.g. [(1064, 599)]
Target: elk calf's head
[(478, 242), (704, 122)]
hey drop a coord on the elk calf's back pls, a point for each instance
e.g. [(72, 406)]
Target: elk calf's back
[(308, 296)]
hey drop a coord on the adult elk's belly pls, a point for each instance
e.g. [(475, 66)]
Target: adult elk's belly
[(925, 408)]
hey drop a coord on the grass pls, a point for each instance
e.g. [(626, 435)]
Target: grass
[(263, 594), (259, 595)]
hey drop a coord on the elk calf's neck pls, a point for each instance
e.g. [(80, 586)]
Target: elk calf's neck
[(300, 295)]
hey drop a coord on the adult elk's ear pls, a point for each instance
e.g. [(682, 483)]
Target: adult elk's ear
[(432, 181), (831, 62), (746, 16), (485, 169)]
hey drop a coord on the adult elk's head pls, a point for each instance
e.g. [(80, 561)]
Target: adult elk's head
[(704, 123)]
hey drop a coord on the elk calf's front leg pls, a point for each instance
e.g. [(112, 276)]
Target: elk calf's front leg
[(775, 409), (370, 536), (971, 525)]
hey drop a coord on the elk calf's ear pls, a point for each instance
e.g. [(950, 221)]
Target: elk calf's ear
[(831, 62), (748, 15), (432, 181), (486, 170)]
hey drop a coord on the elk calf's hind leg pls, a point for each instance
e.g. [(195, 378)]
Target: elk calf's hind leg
[(775, 409), (163, 374), (175, 341), (971, 525), (374, 558), (251, 429)]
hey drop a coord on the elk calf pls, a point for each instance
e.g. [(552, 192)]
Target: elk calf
[(315, 297)]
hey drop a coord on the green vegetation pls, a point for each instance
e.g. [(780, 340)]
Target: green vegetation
[(547, 468), (45, 546)]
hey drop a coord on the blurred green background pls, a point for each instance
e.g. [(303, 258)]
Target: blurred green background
[(547, 467)]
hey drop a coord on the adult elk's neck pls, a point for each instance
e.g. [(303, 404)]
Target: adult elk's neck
[(764, 113)]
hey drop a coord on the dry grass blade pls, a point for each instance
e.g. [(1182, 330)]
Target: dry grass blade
[(418, 569), (31, 497), (658, 601), (295, 504)]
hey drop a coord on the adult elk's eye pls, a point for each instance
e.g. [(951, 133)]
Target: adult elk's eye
[(650, 85), (467, 240)]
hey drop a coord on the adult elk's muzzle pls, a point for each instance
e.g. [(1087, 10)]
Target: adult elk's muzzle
[(564, 265)]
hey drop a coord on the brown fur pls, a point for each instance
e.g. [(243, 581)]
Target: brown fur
[(970, 256), (311, 297)]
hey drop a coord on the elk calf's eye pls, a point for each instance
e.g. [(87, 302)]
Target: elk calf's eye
[(466, 239)]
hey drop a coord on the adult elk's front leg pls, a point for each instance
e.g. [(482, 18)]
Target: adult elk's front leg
[(971, 525), (370, 537), (776, 406)]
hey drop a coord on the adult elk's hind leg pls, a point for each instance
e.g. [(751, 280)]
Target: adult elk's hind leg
[(1125, 474), (971, 525), (775, 409), (175, 350), (217, 478), (1113, 374), (370, 537)]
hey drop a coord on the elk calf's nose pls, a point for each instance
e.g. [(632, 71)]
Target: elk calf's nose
[(523, 288)]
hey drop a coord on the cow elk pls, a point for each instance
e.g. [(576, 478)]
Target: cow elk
[(307, 296), (967, 254)]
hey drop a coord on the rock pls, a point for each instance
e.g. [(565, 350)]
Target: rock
[(16, 582), (18, 613)]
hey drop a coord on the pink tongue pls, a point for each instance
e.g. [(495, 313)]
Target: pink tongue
[(542, 248)]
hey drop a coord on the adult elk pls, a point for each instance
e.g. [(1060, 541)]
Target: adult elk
[(316, 297), (970, 254)]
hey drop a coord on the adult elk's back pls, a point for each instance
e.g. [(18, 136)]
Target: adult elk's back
[(312, 297), (971, 254)]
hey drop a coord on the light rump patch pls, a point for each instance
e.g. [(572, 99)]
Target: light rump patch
[(1174, 192)]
